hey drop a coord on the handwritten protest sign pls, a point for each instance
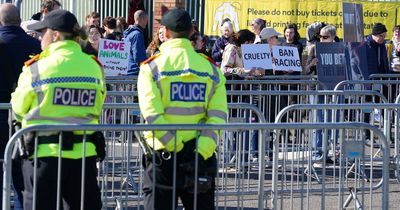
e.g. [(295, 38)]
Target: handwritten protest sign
[(286, 58), (114, 55), (256, 56)]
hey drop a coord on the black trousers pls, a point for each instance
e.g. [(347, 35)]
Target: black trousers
[(71, 172), (161, 198)]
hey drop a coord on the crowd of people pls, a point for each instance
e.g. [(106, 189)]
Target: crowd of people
[(20, 41)]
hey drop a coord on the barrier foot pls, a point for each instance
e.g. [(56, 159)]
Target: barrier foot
[(312, 174), (352, 196)]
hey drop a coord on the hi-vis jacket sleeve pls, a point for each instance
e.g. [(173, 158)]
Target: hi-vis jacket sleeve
[(23, 96), (216, 114), (151, 107)]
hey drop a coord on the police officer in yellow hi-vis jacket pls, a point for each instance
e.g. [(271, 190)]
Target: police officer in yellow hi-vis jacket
[(62, 85), (179, 86)]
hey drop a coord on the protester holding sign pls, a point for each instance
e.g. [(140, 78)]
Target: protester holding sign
[(327, 34), (269, 36), (232, 59), (292, 38)]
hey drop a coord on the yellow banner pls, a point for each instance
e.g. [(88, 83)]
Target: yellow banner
[(279, 13)]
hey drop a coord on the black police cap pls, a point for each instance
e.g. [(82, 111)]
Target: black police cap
[(58, 20), (177, 20)]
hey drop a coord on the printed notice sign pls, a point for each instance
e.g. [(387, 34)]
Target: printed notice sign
[(286, 58), (114, 55), (256, 56)]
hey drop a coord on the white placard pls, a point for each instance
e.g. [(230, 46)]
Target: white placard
[(256, 56), (286, 58), (114, 56)]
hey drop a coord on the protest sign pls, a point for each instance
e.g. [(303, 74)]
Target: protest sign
[(331, 63), (114, 56), (256, 56), (286, 58), (356, 60), (353, 23)]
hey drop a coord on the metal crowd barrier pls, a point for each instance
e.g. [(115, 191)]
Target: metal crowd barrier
[(349, 113), (237, 188), (389, 88)]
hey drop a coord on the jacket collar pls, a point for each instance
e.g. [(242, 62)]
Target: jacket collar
[(68, 45), (176, 43)]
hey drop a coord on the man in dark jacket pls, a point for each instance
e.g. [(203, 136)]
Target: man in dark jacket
[(376, 50), (134, 34), (15, 48)]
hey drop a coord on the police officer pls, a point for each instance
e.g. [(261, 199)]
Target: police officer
[(62, 85), (179, 86)]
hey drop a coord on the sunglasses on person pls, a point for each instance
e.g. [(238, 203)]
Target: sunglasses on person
[(324, 37)]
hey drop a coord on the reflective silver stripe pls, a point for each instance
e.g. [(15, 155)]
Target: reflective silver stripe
[(184, 110), (210, 134), (214, 84), (217, 113), (153, 118), (155, 72), (35, 114), (74, 120), (36, 77), (167, 137)]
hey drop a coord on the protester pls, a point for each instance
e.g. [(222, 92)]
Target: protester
[(91, 46), (232, 59), (222, 41), (377, 57), (92, 19), (257, 25), (269, 36), (199, 42), (135, 35), (121, 24), (154, 45), (110, 26), (61, 60), (46, 7), (327, 34), (292, 38)]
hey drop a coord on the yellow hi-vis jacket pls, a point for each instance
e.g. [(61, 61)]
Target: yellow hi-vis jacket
[(179, 86), (62, 85)]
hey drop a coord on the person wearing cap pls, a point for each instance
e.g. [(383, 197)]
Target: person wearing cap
[(15, 48), (61, 85), (269, 36), (182, 87), (377, 57)]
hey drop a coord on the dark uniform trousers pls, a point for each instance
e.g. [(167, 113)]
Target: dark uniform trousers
[(161, 198), (71, 172)]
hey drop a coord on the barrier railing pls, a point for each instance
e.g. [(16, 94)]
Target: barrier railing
[(389, 88), (240, 184)]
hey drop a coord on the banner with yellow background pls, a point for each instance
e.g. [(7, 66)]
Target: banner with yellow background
[(303, 13)]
